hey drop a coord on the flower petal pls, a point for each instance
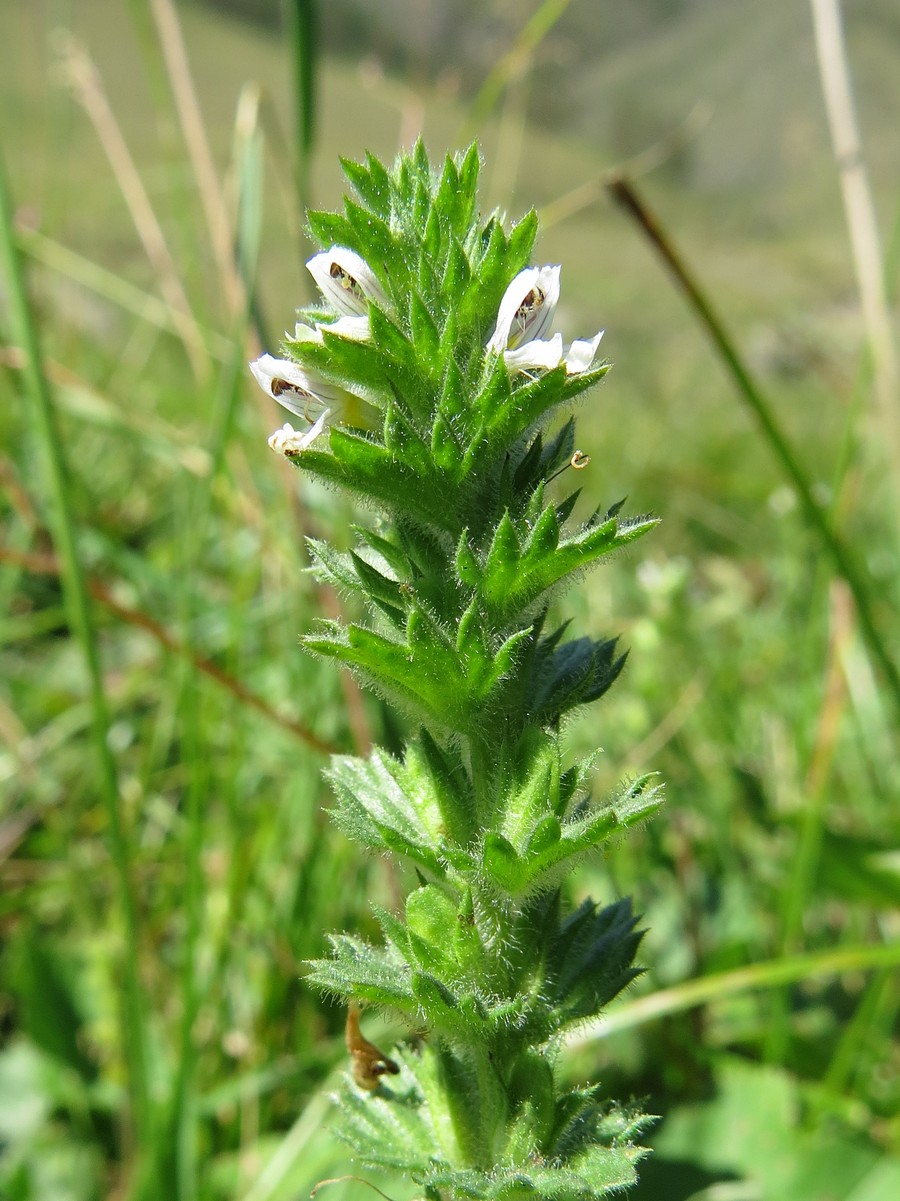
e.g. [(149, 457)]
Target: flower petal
[(527, 308), (304, 333), (354, 328), (536, 355), (290, 442), (346, 281), (580, 355)]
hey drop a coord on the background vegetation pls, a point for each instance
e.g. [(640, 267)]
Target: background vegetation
[(185, 777)]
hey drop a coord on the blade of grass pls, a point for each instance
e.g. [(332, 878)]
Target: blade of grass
[(302, 17), (112, 287), (145, 38), (79, 399), (78, 607), (295, 1144), (280, 168), (249, 168), (805, 857), (194, 132), (773, 973), (511, 133), (197, 507), (652, 157), (194, 537), (48, 565), (859, 210), (624, 192), (88, 88), (512, 64), (195, 754), (858, 1039)]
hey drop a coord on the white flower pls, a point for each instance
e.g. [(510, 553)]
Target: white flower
[(290, 442), (346, 281), (296, 388), (526, 309), (303, 391), (525, 313)]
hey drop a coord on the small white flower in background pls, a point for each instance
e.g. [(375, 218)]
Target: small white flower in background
[(525, 314), (346, 281), (290, 442)]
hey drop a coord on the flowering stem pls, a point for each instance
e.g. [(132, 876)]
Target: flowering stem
[(427, 384)]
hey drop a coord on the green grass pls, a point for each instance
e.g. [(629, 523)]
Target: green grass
[(749, 685)]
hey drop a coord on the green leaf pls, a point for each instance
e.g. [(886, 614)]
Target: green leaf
[(384, 804), (389, 551), (753, 1127), (589, 961), (502, 864), (544, 537), (332, 567), (573, 674), (454, 203), (469, 166), (523, 407), (443, 773), (359, 970), (371, 183), (50, 1012), (503, 558), (431, 915), (425, 340), (372, 235), (330, 229), (515, 577), (546, 836), (457, 273), (599, 1173), (393, 1128), (404, 441), (441, 1005), (363, 467), (531, 788), (521, 241)]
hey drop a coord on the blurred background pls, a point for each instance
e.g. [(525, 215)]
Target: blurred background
[(166, 861)]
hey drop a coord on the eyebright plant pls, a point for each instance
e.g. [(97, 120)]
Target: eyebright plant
[(426, 385)]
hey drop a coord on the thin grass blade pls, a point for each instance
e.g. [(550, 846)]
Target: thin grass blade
[(65, 536)]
